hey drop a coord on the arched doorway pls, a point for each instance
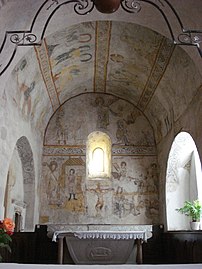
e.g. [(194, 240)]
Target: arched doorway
[(20, 189), (183, 180)]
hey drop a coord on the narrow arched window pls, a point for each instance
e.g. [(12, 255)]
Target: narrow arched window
[(98, 156), (98, 160)]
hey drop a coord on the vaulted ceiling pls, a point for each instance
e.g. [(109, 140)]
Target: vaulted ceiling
[(131, 56)]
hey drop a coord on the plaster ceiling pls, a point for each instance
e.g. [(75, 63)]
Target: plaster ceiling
[(115, 57)]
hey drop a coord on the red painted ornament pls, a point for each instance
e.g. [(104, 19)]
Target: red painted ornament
[(107, 6)]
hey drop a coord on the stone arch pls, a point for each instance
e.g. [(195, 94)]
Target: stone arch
[(183, 180), (28, 172)]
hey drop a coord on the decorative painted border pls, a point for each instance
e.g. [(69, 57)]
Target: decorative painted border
[(46, 72), (157, 72), (14, 39), (116, 150), (102, 55)]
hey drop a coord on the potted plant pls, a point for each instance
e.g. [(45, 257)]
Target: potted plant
[(6, 230), (193, 210)]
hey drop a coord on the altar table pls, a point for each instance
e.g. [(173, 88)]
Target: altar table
[(100, 247)]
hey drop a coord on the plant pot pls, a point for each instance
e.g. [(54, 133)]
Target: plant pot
[(195, 225)]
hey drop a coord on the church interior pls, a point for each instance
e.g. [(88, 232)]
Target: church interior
[(100, 130)]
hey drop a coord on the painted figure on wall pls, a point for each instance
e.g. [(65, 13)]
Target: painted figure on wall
[(27, 101), (52, 190), (119, 199), (25, 91), (121, 133), (100, 198), (120, 171), (124, 203), (152, 209), (61, 130), (123, 169), (71, 184), (102, 113)]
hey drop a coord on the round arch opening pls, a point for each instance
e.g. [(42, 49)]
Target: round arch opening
[(183, 180)]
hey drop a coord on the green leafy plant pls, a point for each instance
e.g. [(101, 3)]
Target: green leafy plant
[(6, 230), (192, 209)]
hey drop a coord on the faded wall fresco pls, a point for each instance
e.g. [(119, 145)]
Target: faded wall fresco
[(29, 92), (130, 195)]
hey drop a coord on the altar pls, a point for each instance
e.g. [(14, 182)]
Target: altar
[(102, 244)]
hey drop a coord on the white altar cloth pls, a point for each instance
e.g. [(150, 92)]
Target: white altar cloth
[(55, 229), (124, 235)]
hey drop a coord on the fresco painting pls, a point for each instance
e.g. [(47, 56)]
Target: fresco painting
[(134, 186), (63, 183), (28, 98), (123, 67), (71, 52), (125, 198), (102, 112), (130, 195)]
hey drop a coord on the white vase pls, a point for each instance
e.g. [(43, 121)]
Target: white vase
[(195, 225)]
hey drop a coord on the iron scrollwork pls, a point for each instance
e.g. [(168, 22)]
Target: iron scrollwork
[(191, 37), (131, 6), (84, 7), (25, 39)]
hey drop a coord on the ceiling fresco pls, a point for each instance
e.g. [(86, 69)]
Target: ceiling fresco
[(106, 55), (123, 59)]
